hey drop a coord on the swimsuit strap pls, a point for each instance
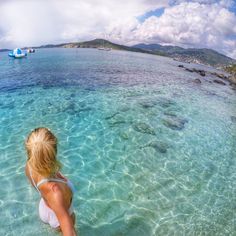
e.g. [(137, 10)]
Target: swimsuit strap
[(68, 183), (42, 181), (33, 180), (45, 180)]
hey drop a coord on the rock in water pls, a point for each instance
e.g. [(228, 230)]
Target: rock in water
[(147, 104), (197, 81), (222, 76), (202, 72), (144, 128), (233, 119), (159, 146), (165, 102), (170, 113), (116, 120), (175, 123), (124, 135), (219, 81)]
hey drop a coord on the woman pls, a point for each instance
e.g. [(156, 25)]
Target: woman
[(43, 171)]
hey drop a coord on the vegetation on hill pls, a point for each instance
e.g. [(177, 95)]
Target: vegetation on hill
[(232, 70), (201, 56), (97, 43)]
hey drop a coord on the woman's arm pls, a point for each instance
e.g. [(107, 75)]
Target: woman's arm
[(57, 204)]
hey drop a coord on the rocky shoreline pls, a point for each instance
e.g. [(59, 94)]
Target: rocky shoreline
[(220, 77)]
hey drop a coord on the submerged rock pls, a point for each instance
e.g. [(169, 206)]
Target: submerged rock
[(170, 113), (111, 116), (148, 104), (202, 72), (165, 102), (189, 70), (124, 135), (197, 81), (221, 76), (144, 128), (124, 109), (219, 81), (175, 123), (233, 119), (10, 105), (29, 102), (159, 146), (116, 121)]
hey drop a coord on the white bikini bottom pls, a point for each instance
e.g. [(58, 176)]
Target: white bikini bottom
[(48, 216)]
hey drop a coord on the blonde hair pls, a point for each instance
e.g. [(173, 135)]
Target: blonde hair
[(41, 146)]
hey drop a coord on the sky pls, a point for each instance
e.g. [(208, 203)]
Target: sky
[(185, 23)]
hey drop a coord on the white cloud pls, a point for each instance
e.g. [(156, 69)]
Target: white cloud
[(31, 22), (189, 23)]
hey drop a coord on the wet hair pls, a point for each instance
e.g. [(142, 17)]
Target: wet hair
[(41, 147)]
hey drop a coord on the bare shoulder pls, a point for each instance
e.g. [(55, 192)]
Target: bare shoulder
[(54, 196), (26, 170), (51, 192)]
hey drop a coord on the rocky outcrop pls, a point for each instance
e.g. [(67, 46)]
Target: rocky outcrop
[(221, 76), (200, 72), (231, 79), (197, 81), (232, 70), (219, 81)]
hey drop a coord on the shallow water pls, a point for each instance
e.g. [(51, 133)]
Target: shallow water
[(149, 151)]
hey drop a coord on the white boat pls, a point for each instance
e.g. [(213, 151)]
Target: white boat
[(17, 53), (104, 49), (31, 50)]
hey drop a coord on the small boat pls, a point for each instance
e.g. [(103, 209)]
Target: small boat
[(17, 53), (31, 50), (104, 49)]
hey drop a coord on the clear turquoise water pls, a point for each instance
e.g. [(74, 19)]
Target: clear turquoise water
[(149, 151)]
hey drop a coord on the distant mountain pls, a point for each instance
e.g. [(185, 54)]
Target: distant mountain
[(97, 43), (4, 50), (202, 56)]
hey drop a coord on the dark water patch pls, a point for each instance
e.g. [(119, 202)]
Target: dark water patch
[(10, 105), (197, 81), (144, 128), (165, 102), (147, 103), (116, 120), (124, 109), (29, 102), (208, 170), (111, 116), (175, 123), (233, 119), (170, 113)]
